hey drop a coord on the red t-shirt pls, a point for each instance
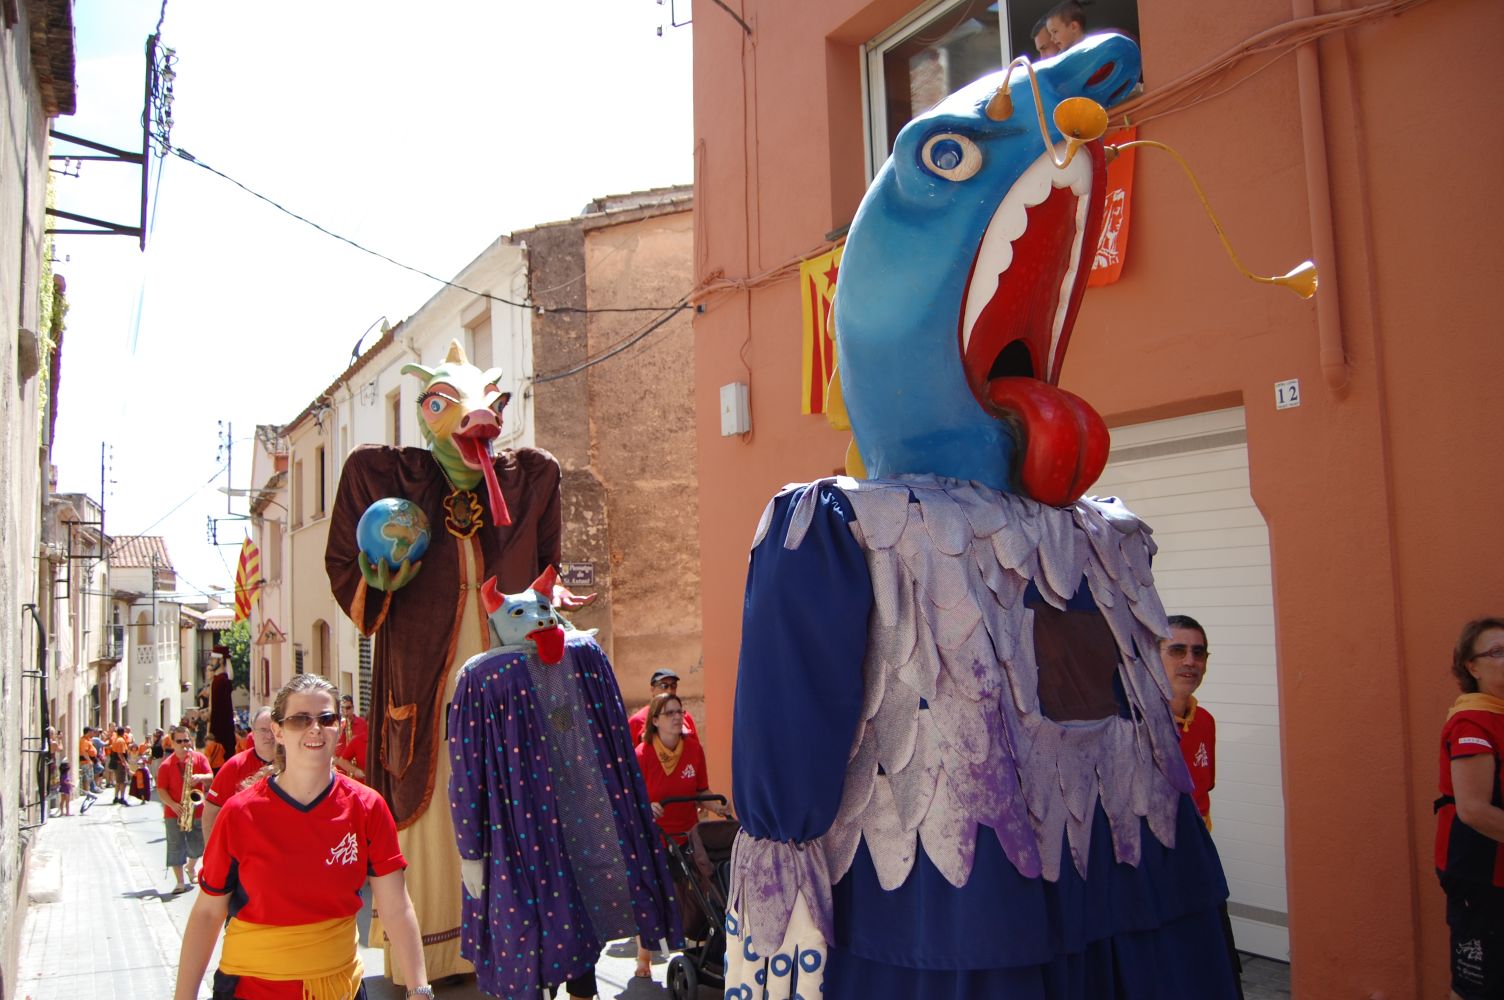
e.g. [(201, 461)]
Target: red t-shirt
[(264, 842), (170, 779), (638, 721), (1198, 745), (689, 778), (228, 779), (1461, 851)]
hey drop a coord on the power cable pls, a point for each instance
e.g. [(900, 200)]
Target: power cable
[(181, 503), (540, 310), (614, 349)]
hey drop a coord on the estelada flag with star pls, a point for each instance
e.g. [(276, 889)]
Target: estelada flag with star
[(817, 286), (247, 579)]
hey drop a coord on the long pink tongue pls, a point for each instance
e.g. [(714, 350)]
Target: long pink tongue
[(499, 510)]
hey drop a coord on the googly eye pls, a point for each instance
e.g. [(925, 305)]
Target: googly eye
[(435, 406), (952, 156)]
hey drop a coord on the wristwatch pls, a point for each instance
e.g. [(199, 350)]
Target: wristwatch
[(421, 991)]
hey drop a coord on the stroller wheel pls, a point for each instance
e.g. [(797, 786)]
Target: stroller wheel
[(683, 981)]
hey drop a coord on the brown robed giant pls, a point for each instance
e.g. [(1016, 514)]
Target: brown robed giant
[(424, 633), (416, 641)]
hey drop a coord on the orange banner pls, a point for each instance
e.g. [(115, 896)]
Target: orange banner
[(817, 287), (1112, 245)]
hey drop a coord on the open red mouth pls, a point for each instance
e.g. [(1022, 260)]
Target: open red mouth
[(1025, 289), (474, 446)]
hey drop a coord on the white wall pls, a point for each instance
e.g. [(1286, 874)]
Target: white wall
[(361, 406)]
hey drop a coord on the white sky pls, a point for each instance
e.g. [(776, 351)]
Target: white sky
[(422, 130)]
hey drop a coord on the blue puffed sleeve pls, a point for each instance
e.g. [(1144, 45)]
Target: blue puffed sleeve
[(799, 681)]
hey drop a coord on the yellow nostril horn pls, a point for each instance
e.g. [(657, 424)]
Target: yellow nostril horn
[(1301, 281), (1000, 105), (1081, 118)]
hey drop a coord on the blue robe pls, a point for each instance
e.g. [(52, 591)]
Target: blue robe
[(1029, 903), (545, 789)]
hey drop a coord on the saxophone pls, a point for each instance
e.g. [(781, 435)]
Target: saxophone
[(190, 800)]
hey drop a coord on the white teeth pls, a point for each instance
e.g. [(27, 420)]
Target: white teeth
[(1010, 221)]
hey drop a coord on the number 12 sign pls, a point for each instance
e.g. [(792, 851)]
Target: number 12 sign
[(1287, 394)]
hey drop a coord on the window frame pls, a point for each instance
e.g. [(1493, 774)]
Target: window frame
[(874, 103)]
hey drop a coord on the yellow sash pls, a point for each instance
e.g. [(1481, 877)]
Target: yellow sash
[(323, 955), (1477, 702)]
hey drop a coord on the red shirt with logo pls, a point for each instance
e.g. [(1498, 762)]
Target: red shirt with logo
[(236, 771), (264, 842), (689, 778), (1198, 745), (170, 780), (1462, 852)]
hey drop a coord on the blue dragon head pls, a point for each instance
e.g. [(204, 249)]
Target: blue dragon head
[(962, 275)]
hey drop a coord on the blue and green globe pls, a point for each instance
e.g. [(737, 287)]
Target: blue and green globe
[(393, 529)]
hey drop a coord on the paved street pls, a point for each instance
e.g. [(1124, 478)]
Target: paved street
[(113, 931)]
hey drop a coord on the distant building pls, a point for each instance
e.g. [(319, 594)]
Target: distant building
[(143, 588)]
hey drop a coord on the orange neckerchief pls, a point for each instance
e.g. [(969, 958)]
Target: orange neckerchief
[(669, 758), (1477, 702), (1185, 723)]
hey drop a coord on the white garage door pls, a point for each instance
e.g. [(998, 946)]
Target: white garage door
[(1188, 478)]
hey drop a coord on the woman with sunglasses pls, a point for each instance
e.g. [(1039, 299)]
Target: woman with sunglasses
[(673, 766), (286, 863), (1469, 821)]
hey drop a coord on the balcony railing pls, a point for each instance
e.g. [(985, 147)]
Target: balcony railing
[(112, 646)]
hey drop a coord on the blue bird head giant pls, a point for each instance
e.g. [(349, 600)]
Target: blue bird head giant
[(961, 278)]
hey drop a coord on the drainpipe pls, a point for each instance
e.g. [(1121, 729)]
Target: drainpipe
[(1319, 198)]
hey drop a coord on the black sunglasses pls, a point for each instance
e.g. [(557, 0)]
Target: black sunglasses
[(301, 721)]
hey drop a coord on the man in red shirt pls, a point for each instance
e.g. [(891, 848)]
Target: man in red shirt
[(1185, 656), (663, 682), (350, 751), (242, 770), (184, 847)]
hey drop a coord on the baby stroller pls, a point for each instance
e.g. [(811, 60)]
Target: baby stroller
[(701, 867)]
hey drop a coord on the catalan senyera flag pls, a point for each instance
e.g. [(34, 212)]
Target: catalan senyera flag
[(1112, 244), (817, 287), (247, 579)]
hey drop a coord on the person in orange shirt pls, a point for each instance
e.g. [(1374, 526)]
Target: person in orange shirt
[(215, 752), (119, 751), (86, 757)]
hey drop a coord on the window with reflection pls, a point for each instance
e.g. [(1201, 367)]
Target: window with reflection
[(941, 47)]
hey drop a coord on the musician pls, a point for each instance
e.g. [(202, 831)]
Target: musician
[(244, 769), (286, 864), (184, 847), (350, 751)]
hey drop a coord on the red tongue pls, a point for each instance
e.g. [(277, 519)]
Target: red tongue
[(1065, 441), (475, 451), (550, 643), (499, 510)]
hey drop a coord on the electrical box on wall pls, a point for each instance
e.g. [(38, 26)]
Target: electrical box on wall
[(736, 411)]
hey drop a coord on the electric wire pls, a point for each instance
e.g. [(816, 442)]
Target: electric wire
[(183, 154), (182, 503), (614, 349)]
